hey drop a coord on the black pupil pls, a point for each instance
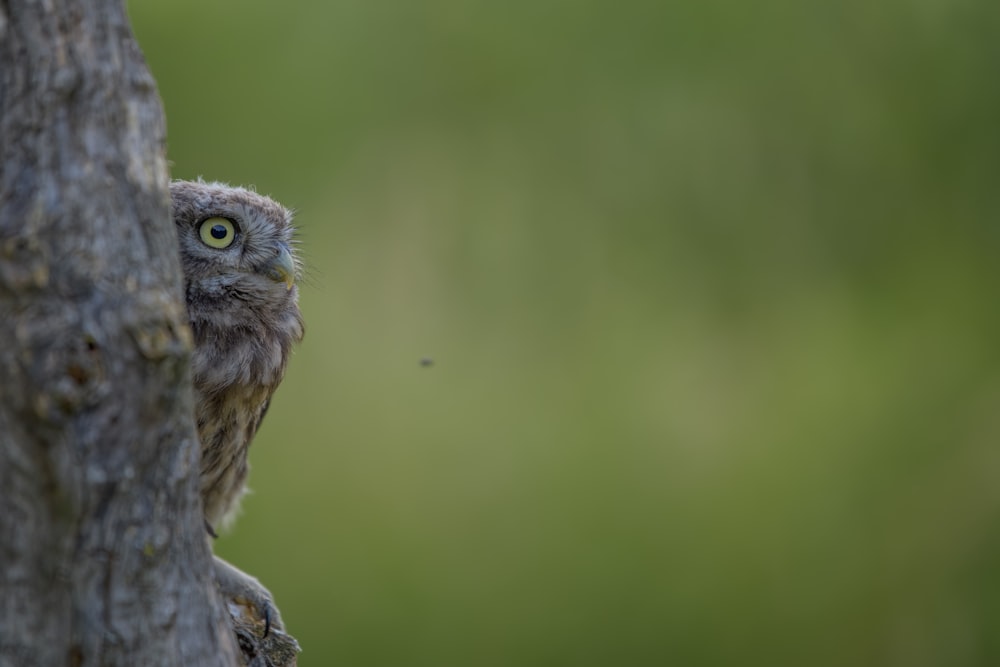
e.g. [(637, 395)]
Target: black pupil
[(218, 232)]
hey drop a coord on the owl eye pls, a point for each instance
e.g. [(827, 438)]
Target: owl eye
[(217, 232)]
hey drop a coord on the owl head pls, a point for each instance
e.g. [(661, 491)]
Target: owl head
[(237, 254)]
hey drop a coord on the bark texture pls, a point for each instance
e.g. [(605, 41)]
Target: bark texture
[(103, 555)]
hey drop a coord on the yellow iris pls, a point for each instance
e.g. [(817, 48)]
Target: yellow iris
[(217, 232)]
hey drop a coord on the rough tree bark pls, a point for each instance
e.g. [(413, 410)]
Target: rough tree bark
[(103, 555)]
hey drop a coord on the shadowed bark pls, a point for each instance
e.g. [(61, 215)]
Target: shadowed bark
[(103, 553)]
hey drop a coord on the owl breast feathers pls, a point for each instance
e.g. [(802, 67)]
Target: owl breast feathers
[(240, 268)]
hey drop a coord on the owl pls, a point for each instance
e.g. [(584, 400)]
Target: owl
[(240, 268)]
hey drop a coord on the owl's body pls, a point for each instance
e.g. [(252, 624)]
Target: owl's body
[(239, 267)]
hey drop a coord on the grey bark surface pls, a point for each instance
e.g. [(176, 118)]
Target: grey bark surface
[(103, 554)]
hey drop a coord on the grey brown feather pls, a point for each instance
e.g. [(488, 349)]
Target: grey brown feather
[(238, 257), (243, 309)]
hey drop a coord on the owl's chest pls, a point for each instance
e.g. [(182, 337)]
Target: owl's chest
[(227, 423), (234, 379)]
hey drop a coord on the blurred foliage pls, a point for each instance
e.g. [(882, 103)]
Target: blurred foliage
[(707, 286)]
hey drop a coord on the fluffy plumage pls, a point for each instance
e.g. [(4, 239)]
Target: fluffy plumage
[(240, 267)]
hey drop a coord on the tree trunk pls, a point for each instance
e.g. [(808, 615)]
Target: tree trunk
[(103, 554)]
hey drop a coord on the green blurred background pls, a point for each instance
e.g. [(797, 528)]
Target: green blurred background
[(710, 290)]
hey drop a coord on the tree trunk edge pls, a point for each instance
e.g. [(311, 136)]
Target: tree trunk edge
[(103, 556)]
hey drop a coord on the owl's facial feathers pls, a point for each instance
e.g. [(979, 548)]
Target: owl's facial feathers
[(237, 253)]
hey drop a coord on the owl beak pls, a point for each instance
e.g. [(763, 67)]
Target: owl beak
[(281, 269)]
